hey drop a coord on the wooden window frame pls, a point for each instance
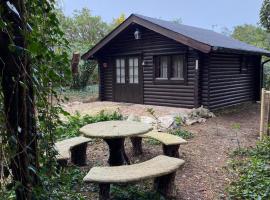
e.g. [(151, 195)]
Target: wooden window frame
[(169, 79), (115, 61)]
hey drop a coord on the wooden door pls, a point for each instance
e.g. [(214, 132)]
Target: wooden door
[(128, 80)]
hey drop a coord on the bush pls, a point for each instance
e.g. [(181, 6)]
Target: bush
[(253, 171), (71, 127)]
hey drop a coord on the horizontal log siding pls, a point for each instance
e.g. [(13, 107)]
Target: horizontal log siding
[(227, 85), (204, 80), (151, 43), (106, 80)]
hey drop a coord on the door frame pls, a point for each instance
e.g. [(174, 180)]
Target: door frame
[(140, 73)]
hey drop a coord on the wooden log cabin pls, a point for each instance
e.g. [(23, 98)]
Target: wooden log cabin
[(151, 61)]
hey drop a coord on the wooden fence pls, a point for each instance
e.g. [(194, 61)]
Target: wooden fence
[(265, 113)]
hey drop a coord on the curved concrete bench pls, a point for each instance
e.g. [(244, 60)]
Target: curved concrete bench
[(74, 148), (162, 168), (170, 143)]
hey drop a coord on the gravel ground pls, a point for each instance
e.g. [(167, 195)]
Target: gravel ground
[(204, 174)]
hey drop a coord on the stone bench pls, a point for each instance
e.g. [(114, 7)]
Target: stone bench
[(74, 148), (170, 143), (161, 168)]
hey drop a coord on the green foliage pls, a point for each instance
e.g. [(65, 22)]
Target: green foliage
[(253, 35), (83, 30), (265, 14), (134, 192), (71, 127), (116, 22), (62, 185), (87, 72), (182, 133), (252, 172)]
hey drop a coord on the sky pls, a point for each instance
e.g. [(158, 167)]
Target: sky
[(210, 14)]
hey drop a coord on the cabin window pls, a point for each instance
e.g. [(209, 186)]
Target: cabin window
[(169, 67), (133, 65), (162, 67), (120, 70)]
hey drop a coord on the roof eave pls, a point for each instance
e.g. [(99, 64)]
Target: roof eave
[(205, 48), (240, 51)]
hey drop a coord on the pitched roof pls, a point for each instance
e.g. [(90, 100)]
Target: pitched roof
[(201, 39)]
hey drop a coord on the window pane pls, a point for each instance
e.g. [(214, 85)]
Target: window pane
[(122, 62), (163, 66), (133, 70), (136, 79), (123, 79), (177, 66), (136, 61), (120, 70), (130, 62), (136, 70), (117, 63)]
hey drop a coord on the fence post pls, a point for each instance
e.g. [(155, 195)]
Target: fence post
[(262, 114)]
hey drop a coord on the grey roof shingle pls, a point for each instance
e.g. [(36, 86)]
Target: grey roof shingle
[(205, 36)]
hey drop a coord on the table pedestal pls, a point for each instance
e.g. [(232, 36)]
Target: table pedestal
[(117, 152)]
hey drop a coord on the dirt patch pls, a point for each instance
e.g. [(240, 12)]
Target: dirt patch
[(204, 174)]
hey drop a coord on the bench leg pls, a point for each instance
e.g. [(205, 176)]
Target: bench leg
[(104, 191), (171, 150), (137, 145), (78, 154), (165, 185)]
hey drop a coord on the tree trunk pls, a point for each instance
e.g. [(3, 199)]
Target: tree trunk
[(75, 70)]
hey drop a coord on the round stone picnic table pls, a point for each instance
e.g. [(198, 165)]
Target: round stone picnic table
[(114, 134)]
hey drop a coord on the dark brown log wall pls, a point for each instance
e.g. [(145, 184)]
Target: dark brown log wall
[(151, 44), (106, 81), (223, 83)]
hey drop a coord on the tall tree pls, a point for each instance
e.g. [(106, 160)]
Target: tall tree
[(117, 21), (265, 14), (253, 35), (83, 30)]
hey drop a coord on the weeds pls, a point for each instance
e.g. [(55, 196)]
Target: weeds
[(182, 133), (71, 127), (251, 169)]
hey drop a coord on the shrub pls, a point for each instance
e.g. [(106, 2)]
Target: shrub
[(71, 127), (253, 172)]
